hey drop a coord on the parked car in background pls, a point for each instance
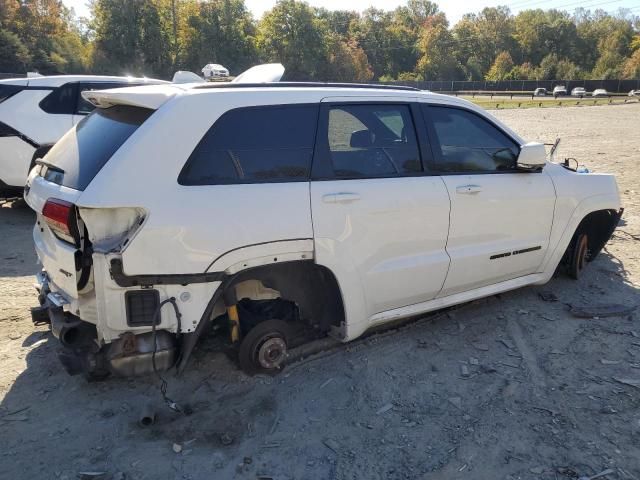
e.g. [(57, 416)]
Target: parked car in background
[(559, 90), (36, 111), (214, 70), (540, 92), (578, 92), (401, 213), (634, 93), (600, 92)]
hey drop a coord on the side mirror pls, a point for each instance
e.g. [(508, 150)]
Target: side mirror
[(532, 158)]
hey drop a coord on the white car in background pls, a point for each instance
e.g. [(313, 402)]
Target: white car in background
[(600, 92), (579, 92), (36, 111), (214, 70), (175, 206), (559, 90)]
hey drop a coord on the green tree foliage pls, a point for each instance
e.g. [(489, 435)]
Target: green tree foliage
[(436, 45), (501, 68), (412, 42), (291, 33)]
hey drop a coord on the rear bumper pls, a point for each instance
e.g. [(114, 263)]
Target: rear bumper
[(82, 353)]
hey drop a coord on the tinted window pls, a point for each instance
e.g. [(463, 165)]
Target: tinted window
[(7, 91), (83, 151), (469, 143), (61, 100), (372, 141), (258, 144)]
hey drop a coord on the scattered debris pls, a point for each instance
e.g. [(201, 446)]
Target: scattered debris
[(604, 361), (332, 445), (604, 473), (547, 296), (474, 361), (602, 311), (226, 439), (507, 344), (523, 312), (384, 409), (481, 346), (633, 382), (464, 370), (177, 448), (326, 383), (537, 470), (92, 475)]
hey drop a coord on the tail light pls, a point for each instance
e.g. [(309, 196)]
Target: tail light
[(61, 218)]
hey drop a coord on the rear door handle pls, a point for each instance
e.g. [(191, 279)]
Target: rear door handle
[(468, 189), (341, 197)]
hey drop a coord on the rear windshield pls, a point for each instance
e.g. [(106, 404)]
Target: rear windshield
[(82, 152)]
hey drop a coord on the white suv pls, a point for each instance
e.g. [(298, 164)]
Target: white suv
[(35, 112), (286, 211)]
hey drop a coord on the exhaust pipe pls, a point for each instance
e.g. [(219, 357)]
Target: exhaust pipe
[(147, 416)]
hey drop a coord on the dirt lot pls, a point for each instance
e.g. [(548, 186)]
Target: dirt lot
[(510, 387)]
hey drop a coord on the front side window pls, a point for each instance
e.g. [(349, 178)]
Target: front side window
[(254, 145), (368, 141), (469, 143)]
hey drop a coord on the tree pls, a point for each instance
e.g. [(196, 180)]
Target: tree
[(437, 61), (292, 34), (14, 56), (501, 68), (219, 31), (346, 61), (631, 69)]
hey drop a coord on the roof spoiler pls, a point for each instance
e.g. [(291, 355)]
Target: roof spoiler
[(265, 73)]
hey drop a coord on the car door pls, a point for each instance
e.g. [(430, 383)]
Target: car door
[(380, 224), (500, 217)]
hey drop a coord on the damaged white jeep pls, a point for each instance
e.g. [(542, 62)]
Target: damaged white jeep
[(284, 212)]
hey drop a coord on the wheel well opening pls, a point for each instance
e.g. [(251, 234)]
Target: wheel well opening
[(598, 226), (312, 288)]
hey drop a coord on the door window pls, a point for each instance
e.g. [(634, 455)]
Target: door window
[(469, 143), (253, 145), (368, 141)]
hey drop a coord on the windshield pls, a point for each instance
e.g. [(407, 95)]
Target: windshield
[(85, 149)]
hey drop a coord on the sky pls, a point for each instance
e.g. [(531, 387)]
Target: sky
[(453, 8)]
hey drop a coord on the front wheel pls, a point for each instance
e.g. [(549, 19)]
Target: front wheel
[(579, 256)]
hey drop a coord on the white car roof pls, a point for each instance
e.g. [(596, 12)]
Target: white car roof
[(57, 80)]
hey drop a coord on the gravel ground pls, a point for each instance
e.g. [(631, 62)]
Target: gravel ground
[(508, 387)]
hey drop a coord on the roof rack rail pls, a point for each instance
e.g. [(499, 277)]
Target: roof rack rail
[(307, 85)]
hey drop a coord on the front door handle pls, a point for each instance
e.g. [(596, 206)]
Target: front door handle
[(341, 197), (468, 189)]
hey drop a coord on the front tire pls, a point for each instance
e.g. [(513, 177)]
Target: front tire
[(579, 256)]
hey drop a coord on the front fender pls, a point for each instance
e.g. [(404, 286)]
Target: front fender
[(594, 203)]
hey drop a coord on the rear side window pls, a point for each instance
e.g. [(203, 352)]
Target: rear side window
[(368, 141), (469, 143), (254, 145), (7, 91), (82, 152), (62, 100)]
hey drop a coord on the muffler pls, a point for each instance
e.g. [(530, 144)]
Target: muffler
[(132, 354)]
